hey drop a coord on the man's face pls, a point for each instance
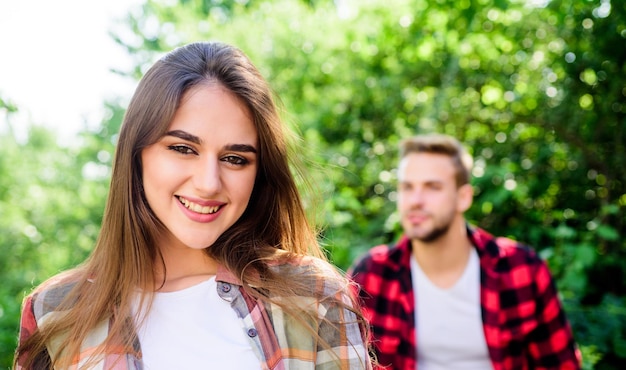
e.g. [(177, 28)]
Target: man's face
[(428, 197)]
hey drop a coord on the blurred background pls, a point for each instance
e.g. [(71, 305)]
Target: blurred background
[(536, 89)]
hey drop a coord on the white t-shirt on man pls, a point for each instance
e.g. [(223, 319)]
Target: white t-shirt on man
[(449, 327)]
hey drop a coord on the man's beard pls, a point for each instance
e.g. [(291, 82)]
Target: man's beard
[(439, 229), (434, 234)]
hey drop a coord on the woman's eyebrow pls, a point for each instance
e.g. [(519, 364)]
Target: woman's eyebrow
[(241, 148), (185, 136), (196, 140)]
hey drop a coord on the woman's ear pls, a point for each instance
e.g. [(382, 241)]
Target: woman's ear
[(465, 197)]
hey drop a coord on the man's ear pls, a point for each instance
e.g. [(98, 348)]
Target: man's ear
[(465, 198)]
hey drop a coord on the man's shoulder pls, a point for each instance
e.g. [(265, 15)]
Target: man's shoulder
[(501, 249), (383, 257), (388, 252), (382, 252)]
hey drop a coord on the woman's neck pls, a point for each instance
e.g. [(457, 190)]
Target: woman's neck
[(183, 267)]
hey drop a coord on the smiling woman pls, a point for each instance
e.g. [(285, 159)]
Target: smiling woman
[(205, 257), (199, 176)]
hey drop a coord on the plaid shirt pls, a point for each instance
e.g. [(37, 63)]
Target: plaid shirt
[(524, 324), (278, 341)]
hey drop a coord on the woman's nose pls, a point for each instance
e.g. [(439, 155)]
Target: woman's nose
[(206, 178)]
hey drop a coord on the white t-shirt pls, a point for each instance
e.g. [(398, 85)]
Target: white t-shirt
[(448, 321), (194, 328)]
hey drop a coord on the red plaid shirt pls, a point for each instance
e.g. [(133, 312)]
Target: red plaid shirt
[(524, 324)]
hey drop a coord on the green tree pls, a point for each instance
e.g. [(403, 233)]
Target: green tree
[(51, 204)]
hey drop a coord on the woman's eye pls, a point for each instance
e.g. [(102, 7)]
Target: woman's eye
[(182, 149), (233, 159)]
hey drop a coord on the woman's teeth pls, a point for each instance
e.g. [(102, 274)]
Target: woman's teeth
[(198, 208)]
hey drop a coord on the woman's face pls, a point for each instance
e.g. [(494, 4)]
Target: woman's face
[(199, 176)]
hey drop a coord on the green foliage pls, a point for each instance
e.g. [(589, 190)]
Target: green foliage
[(537, 93), (51, 204)]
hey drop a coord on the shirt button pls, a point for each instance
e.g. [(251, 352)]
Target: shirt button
[(226, 288), (252, 333)]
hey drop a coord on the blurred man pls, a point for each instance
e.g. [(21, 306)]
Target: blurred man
[(452, 296)]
